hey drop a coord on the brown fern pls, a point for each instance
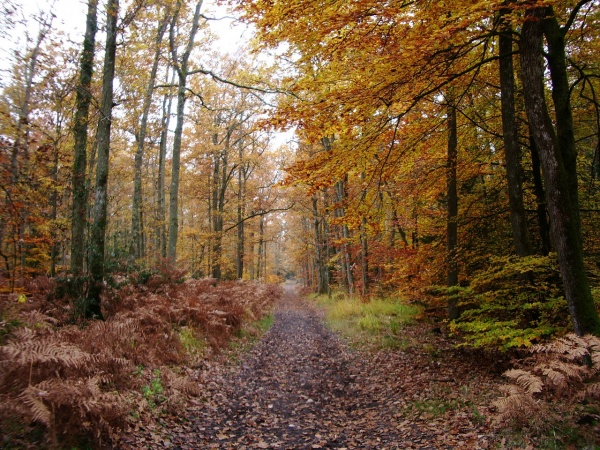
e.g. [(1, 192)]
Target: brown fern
[(558, 371)]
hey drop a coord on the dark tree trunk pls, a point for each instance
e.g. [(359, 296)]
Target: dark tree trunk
[(564, 219), (540, 197), (346, 259), (92, 309), (80, 133), (511, 145), (321, 267), (561, 94), (452, 217), (364, 247)]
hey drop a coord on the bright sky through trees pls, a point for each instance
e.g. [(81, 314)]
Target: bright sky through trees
[(70, 15)]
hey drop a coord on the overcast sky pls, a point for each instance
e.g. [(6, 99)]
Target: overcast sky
[(70, 16)]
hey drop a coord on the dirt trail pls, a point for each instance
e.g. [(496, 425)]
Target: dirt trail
[(302, 388)]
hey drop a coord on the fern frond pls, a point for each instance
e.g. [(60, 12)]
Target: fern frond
[(32, 352), (557, 379), (518, 405), (35, 318), (593, 391), (530, 383), (33, 397)]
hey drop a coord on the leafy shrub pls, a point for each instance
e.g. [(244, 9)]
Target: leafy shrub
[(514, 302)]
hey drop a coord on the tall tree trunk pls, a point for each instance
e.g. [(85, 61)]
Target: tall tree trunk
[(364, 249), (54, 205), (217, 219), (561, 94), (260, 253), (161, 216), (564, 219), (540, 196), (136, 246), (511, 144), (251, 256), (92, 309), (239, 257), (80, 133), (346, 259), (452, 220), (321, 268), (182, 72)]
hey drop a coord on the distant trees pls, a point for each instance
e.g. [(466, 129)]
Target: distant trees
[(52, 159)]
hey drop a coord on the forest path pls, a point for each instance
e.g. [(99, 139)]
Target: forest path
[(301, 387)]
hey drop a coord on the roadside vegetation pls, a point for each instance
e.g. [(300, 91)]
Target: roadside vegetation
[(66, 382), (377, 322), (544, 397)]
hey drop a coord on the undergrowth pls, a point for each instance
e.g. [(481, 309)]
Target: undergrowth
[(65, 382), (510, 302), (375, 321), (554, 396)]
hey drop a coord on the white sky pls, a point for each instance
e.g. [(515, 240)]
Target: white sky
[(70, 16)]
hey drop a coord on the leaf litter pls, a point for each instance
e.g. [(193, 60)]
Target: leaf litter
[(302, 387)]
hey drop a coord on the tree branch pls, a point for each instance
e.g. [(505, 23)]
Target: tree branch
[(256, 214)]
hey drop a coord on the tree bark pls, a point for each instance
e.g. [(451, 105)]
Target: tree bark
[(80, 133), (563, 215), (511, 145), (452, 216), (241, 198), (364, 247), (136, 247), (161, 215), (322, 279), (540, 197), (92, 308), (346, 259), (182, 73), (561, 94)]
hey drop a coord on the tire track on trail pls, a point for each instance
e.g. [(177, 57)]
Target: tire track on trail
[(301, 387)]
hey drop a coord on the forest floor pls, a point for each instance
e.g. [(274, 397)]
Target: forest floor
[(303, 387)]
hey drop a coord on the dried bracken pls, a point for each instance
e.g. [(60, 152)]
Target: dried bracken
[(561, 372), (80, 381)]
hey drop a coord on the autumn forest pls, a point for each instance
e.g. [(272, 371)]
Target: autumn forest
[(161, 195)]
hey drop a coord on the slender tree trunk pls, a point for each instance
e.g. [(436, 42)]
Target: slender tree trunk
[(251, 257), (93, 309), (452, 221), (162, 156), (511, 145), (136, 247), (182, 73), (80, 133), (564, 219), (260, 256), (217, 222), (346, 259), (321, 268), (239, 259), (364, 253), (54, 204)]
